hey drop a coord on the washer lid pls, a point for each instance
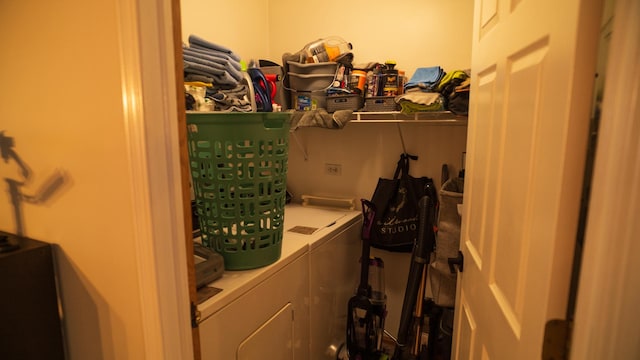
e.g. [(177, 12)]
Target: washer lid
[(308, 220)]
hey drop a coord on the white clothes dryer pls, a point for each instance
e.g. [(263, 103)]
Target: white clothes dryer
[(296, 307)]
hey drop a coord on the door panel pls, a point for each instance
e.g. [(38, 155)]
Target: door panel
[(274, 337), (508, 270), (483, 157), (467, 330), (528, 125)]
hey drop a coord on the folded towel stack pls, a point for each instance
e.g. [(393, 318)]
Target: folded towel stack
[(425, 79), (432, 89), (418, 101), (210, 63)]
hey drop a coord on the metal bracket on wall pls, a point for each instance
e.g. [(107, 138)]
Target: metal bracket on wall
[(304, 152)]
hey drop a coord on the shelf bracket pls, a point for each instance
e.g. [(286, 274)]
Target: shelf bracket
[(304, 152)]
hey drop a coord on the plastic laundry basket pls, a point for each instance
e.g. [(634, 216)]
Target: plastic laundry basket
[(238, 167)]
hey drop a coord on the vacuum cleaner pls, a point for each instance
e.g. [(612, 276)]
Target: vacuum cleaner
[(367, 308)]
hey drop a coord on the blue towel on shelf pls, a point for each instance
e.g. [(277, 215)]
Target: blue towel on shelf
[(203, 61), (201, 68), (425, 78), (221, 60), (196, 41), (216, 56), (189, 77), (220, 77)]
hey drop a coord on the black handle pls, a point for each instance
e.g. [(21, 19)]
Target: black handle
[(459, 261), (368, 215)]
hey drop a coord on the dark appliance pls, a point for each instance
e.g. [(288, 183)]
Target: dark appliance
[(30, 324)]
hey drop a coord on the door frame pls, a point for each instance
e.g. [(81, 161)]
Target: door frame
[(606, 316), (155, 145), (150, 77)]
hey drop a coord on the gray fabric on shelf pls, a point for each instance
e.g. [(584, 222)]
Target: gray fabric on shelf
[(232, 100), (197, 77), (320, 118)]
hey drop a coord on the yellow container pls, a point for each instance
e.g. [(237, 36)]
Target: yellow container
[(327, 49)]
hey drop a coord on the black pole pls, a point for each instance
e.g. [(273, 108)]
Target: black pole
[(419, 259)]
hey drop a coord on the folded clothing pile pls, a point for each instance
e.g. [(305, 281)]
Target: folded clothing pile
[(230, 100), (433, 89), (203, 97), (207, 62), (214, 70), (454, 88), (458, 99), (418, 101), (420, 91)]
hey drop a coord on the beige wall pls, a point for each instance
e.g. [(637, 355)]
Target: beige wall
[(61, 101), (413, 33), (241, 26)]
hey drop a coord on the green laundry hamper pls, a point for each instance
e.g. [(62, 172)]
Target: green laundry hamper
[(238, 167)]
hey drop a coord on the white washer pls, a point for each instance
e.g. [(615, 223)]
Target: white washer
[(295, 307)]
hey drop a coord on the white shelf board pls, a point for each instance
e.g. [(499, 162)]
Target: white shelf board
[(429, 117)]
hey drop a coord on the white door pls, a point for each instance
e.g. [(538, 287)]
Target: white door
[(533, 65)]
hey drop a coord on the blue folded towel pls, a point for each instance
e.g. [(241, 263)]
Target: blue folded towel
[(200, 78), (220, 77), (189, 65), (223, 61), (425, 77), (203, 61), (222, 58), (197, 41)]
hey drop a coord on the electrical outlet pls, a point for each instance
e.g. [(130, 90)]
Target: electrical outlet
[(333, 169)]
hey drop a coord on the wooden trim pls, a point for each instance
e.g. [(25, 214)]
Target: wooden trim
[(184, 163), (134, 125)]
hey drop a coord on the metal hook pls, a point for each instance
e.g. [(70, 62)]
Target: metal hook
[(404, 148)]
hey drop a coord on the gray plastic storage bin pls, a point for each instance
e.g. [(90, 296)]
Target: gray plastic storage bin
[(312, 68), (380, 103), (311, 82), (344, 102)]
